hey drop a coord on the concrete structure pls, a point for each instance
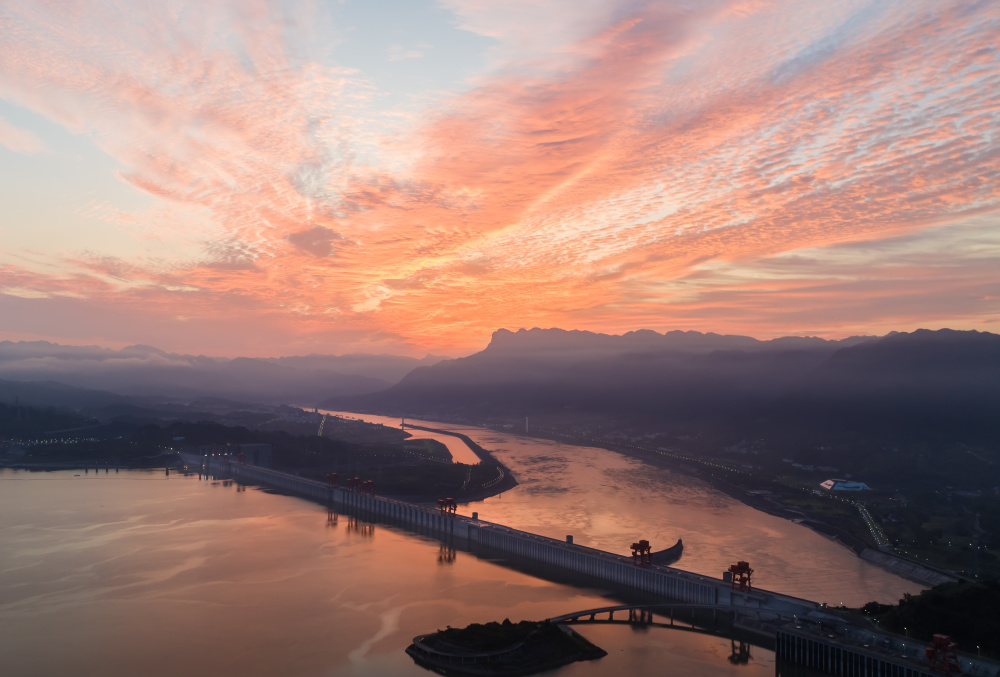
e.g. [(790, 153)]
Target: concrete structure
[(804, 632), (597, 567), (257, 454), (844, 485), (836, 658)]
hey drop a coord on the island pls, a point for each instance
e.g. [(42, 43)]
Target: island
[(501, 649)]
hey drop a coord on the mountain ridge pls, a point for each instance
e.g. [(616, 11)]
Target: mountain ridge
[(142, 370), (910, 378)]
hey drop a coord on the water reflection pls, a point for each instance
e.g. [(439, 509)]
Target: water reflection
[(740, 652), (640, 617), (607, 500), (446, 554), (254, 583), (359, 526)]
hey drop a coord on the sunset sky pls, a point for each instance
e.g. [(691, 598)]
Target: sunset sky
[(266, 178)]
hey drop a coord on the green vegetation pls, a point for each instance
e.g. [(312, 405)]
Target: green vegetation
[(967, 611), (933, 499), (481, 638), (534, 647), (419, 469), (19, 420)]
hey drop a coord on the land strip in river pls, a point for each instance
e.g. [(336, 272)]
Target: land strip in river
[(503, 479)]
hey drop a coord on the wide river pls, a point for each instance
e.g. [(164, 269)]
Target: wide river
[(606, 500), (144, 573)]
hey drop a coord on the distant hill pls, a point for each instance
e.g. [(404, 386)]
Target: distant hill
[(148, 371), (642, 370), (938, 382), (52, 394), (926, 378)]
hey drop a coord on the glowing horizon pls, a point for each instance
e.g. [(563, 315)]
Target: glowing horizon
[(259, 178)]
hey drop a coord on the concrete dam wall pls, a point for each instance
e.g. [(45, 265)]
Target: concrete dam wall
[(601, 568)]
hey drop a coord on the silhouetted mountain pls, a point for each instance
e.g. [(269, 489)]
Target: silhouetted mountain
[(148, 371), (562, 345), (543, 369), (933, 382), (52, 394), (942, 380)]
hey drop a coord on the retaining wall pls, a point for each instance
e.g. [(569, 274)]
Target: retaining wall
[(835, 658)]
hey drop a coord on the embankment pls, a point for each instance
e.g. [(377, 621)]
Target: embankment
[(505, 480)]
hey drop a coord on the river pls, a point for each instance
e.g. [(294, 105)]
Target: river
[(607, 500), (144, 573), (460, 452), (141, 572)]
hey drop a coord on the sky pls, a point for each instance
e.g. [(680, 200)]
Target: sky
[(275, 178)]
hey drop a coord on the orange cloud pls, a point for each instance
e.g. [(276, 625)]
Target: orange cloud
[(584, 181)]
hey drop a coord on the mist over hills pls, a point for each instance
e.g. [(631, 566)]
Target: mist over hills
[(148, 371), (53, 394), (943, 381), (555, 368)]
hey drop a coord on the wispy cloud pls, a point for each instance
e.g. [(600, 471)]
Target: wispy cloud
[(20, 140), (400, 53), (618, 165)]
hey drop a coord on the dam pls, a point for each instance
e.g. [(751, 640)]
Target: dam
[(602, 568), (803, 631)]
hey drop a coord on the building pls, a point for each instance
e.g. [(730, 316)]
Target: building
[(257, 454), (253, 453), (844, 485)]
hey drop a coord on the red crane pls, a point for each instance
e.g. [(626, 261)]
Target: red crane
[(942, 655), (642, 553), (741, 576), (447, 505), (333, 479)]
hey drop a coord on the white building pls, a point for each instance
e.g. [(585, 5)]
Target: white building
[(844, 485)]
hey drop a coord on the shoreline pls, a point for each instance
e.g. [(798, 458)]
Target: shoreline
[(903, 567), (92, 465), (507, 482)]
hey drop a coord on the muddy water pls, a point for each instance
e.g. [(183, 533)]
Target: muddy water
[(608, 501), (143, 573)]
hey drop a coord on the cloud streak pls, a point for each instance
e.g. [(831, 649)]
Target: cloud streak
[(20, 140), (591, 177)]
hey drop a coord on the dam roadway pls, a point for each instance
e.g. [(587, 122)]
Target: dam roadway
[(802, 631), (595, 567)]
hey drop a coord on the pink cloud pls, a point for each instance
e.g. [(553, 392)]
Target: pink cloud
[(20, 140), (595, 165)]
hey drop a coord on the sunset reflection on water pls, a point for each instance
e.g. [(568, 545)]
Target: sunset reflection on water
[(143, 573)]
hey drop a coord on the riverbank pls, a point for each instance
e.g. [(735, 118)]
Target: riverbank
[(171, 460), (503, 482)]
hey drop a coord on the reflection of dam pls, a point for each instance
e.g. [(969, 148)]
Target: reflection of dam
[(804, 632), (596, 567)]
